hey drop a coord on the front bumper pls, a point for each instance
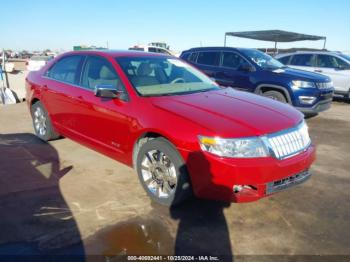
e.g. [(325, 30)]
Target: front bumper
[(320, 106), (323, 100), (215, 178)]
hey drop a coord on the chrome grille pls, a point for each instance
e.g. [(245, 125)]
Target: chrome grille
[(289, 142), (325, 85)]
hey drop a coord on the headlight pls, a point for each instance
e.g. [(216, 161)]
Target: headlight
[(303, 84), (238, 148)]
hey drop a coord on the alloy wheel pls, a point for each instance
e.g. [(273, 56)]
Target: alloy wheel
[(158, 174), (40, 121)]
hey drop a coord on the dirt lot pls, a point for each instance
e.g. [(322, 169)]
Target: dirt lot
[(63, 198)]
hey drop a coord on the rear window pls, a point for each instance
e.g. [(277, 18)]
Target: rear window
[(302, 60), (185, 56), (193, 57), (208, 58), (66, 69)]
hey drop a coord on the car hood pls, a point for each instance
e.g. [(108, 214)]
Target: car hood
[(231, 113), (297, 74)]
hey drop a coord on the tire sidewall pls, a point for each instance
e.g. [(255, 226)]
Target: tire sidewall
[(278, 95), (183, 188)]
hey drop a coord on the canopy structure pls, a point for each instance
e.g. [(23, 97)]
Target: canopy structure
[(276, 36)]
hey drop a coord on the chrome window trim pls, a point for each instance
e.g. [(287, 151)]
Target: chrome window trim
[(68, 83), (85, 58)]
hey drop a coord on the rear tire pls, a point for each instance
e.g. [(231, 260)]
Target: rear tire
[(162, 172), (42, 123), (275, 95)]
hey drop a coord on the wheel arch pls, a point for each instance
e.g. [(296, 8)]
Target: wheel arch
[(270, 87), (142, 139)]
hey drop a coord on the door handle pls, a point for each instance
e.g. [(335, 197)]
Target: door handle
[(318, 70)]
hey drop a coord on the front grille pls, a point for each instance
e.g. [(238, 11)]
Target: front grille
[(325, 85), (289, 142)]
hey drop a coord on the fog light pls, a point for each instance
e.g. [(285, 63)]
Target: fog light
[(308, 100), (237, 188)]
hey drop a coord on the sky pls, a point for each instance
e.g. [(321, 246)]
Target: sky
[(59, 25)]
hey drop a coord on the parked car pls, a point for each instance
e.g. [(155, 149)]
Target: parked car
[(152, 49), (37, 62), (333, 64), (252, 70), (179, 129)]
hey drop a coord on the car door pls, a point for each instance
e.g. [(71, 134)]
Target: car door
[(208, 62), (336, 69), (60, 91), (232, 72), (104, 122), (303, 62)]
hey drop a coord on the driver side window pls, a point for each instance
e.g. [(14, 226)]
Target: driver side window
[(232, 60), (99, 71)]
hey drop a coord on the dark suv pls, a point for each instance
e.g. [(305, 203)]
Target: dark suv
[(253, 71)]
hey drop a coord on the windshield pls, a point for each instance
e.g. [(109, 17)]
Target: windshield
[(345, 56), (159, 76), (263, 60)]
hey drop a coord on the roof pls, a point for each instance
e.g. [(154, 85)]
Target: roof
[(115, 53), (309, 52), (215, 48), (276, 36)]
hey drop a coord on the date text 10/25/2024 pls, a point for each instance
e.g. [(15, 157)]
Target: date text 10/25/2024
[(173, 258)]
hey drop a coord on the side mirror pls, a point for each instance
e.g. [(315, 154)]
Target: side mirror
[(246, 67), (109, 91)]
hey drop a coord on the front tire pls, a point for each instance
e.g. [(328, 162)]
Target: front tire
[(162, 172), (275, 95), (42, 123)]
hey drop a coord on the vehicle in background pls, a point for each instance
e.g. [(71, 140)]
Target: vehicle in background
[(152, 49), (4, 64), (35, 63), (179, 129), (336, 65), (252, 70)]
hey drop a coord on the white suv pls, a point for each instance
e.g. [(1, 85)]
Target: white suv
[(152, 49), (333, 64)]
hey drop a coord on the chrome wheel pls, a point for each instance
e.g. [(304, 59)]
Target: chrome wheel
[(40, 121), (158, 174)]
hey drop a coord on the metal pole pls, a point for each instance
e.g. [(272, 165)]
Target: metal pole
[(3, 60), (324, 43), (275, 48), (225, 40)]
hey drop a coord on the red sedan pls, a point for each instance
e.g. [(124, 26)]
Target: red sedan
[(179, 130)]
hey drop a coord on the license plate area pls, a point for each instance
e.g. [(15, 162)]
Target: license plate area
[(287, 182)]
